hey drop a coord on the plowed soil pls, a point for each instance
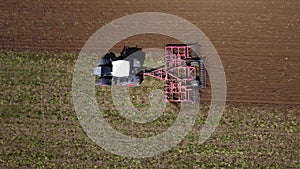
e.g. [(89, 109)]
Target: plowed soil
[(258, 41)]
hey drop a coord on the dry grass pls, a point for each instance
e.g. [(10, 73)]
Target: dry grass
[(39, 127)]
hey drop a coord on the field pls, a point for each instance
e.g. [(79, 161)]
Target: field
[(258, 43)]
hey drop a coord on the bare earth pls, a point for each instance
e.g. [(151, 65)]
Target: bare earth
[(258, 41)]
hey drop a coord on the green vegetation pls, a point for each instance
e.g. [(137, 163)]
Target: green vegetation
[(39, 127)]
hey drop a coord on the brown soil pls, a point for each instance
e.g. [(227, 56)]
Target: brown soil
[(258, 41)]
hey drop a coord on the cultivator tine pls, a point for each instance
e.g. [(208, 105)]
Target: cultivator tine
[(202, 75)]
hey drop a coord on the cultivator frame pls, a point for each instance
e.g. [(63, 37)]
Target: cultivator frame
[(184, 72)]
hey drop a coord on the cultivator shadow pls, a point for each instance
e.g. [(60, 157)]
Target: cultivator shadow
[(183, 74)]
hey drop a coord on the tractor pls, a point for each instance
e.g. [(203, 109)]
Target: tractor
[(183, 74)]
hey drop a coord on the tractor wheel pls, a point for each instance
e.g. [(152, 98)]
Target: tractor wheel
[(107, 59)]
